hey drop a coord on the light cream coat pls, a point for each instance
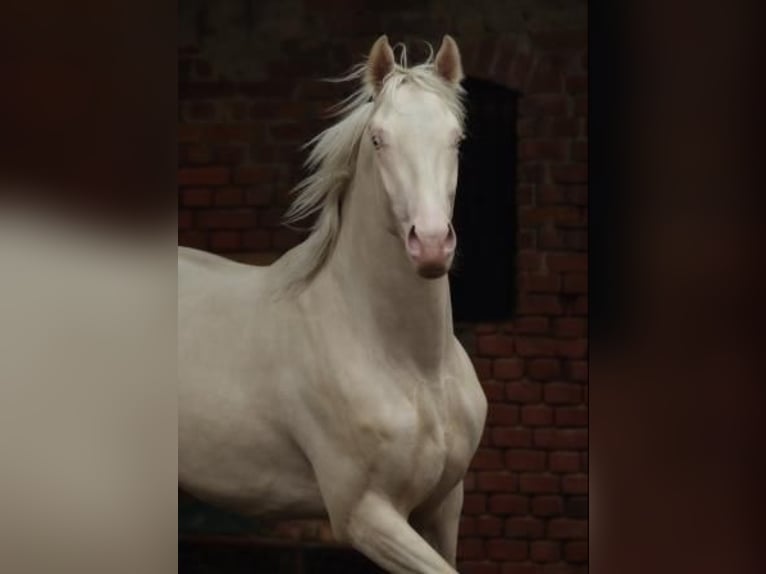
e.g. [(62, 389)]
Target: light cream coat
[(330, 383)]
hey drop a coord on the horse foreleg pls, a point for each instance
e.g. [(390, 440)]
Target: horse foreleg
[(379, 531), (440, 525)]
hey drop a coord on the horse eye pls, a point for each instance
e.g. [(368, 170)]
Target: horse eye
[(376, 141)]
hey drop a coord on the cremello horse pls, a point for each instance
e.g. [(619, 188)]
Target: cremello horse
[(330, 383)]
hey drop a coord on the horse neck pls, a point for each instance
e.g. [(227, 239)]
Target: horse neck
[(411, 316)]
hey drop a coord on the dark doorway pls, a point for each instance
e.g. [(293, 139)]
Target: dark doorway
[(483, 280)]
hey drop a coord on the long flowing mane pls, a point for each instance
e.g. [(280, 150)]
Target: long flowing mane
[(332, 159)]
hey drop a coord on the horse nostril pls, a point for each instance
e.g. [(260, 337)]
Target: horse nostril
[(413, 242), (451, 240)]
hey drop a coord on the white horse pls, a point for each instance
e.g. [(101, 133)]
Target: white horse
[(330, 384)]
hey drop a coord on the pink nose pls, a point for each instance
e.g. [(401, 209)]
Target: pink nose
[(432, 251)]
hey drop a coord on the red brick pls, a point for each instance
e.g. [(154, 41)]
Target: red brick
[(545, 78), (288, 132), (525, 193), (185, 219), (571, 417), (524, 528), (575, 484), (577, 194), (201, 111), (543, 369), (513, 550), (576, 551), (531, 304), (474, 503), (531, 173), (570, 327), (572, 348), (471, 567), (525, 460), (562, 393), (493, 390), (564, 461), (500, 481), (283, 239), (471, 549), (494, 345), (489, 526), (567, 262), (508, 369), (255, 174), (226, 219), (512, 504), (542, 150), (579, 151), (191, 176), (511, 568), (467, 526), (524, 392), (256, 239), (575, 283), (226, 133), (564, 127), (581, 105), (550, 194), (511, 437), (539, 483), (536, 415), (228, 196), (580, 306), (555, 214), (193, 238), (567, 529), (573, 173), (556, 439), (575, 239), (547, 506), (545, 551), (488, 459), (519, 71), (483, 367), (535, 347), (469, 481), (188, 133), (225, 241), (560, 39), (196, 197), (500, 414), (536, 283), (529, 261), (233, 154), (531, 325), (544, 105), (195, 155), (576, 507), (530, 127), (260, 196), (577, 370), (485, 328), (576, 84), (552, 240)]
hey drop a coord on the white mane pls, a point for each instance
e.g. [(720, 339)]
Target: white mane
[(333, 158)]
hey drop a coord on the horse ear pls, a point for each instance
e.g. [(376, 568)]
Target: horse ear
[(379, 63), (447, 61)]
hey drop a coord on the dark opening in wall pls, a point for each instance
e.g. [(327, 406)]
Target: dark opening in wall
[(483, 280)]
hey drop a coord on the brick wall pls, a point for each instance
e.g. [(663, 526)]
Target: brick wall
[(249, 98)]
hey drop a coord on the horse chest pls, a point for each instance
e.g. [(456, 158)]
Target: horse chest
[(421, 446)]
